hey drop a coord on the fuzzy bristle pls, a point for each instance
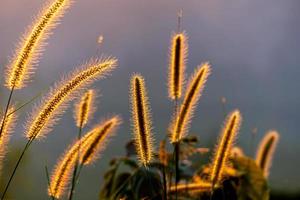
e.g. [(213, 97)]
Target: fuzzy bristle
[(178, 54), (84, 108), (223, 150), (30, 49), (141, 120), (265, 151), (55, 103), (181, 122)]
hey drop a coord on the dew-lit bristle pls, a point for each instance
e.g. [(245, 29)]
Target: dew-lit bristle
[(266, 150), (84, 108), (141, 120), (178, 54), (54, 104), (31, 46), (197, 187), (98, 139), (181, 122), (8, 127), (223, 150)]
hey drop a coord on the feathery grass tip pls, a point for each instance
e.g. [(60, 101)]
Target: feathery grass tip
[(31, 46), (181, 122), (54, 104), (223, 150), (141, 120), (178, 54), (84, 108), (265, 151), (91, 144)]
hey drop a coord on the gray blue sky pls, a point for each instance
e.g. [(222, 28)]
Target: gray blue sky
[(253, 47)]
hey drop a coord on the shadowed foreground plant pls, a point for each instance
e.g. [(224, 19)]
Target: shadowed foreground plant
[(54, 104), (92, 144)]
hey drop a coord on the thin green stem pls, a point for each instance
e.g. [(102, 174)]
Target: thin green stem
[(74, 179), (176, 151), (165, 183), (24, 104), (48, 180), (16, 167), (177, 175), (6, 109)]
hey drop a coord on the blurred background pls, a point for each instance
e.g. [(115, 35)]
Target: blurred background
[(253, 47)]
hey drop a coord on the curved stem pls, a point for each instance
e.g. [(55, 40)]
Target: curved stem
[(16, 167), (74, 177), (6, 110)]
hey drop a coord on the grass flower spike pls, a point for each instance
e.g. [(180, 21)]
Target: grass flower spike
[(141, 120), (266, 151), (55, 102), (180, 124), (178, 54), (92, 144), (31, 46), (96, 139), (223, 150), (84, 108)]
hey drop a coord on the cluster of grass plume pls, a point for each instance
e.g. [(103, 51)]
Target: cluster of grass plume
[(227, 162), (20, 70), (92, 143)]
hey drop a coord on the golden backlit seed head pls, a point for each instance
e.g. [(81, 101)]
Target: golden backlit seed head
[(181, 122), (226, 142), (141, 119), (91, 144), (178, 55), (31, 46), (265, 151), (85, 108), (55, 103), (97, 140)]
